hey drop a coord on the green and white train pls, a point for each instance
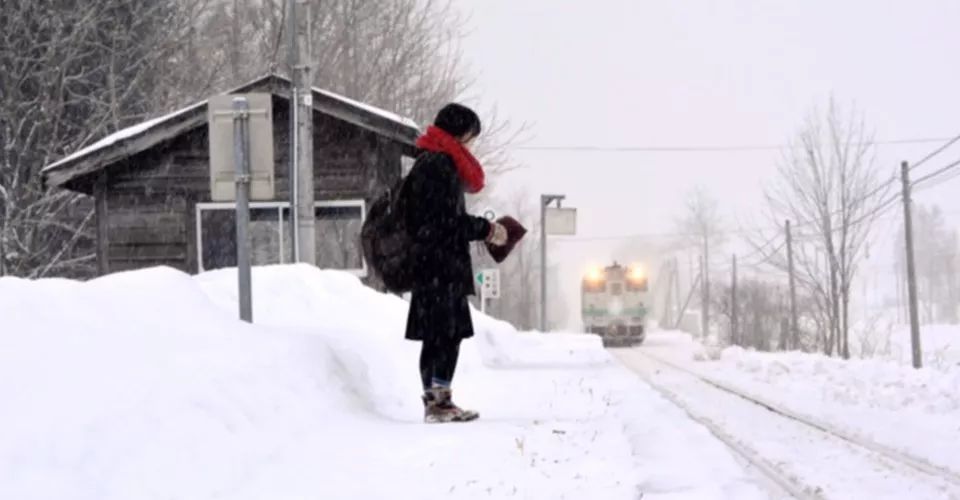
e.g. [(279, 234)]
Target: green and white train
[(614, 301)]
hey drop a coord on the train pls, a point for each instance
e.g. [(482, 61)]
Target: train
[(614, 303)]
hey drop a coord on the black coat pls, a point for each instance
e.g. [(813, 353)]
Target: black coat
[(441, 229)]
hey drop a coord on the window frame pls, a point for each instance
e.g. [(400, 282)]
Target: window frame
[(361, 272)]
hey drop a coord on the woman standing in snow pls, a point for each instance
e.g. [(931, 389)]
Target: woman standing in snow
[(441, 231)]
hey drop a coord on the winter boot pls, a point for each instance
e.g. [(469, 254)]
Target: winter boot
[(439, 408)]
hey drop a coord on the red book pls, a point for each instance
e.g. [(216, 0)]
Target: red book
[(515, 232)]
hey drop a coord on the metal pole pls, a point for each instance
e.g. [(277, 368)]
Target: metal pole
[(241, 145), (911, 270), (734, 323), (293, 56), (794, 328), (543, 262)]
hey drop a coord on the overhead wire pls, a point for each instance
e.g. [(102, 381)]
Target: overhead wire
[(706, 149), (936, 172), (935, 152)]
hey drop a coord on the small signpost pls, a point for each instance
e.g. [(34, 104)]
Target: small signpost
[(553, 221), (489, 281), (241, 167)]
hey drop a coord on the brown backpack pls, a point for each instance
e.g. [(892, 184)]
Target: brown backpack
[(386, 243)]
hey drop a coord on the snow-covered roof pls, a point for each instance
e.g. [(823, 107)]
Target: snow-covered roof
[(122, 134), (368, 108), (144, 127)]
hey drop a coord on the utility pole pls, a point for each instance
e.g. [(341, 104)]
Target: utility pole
[(676, 287), (794, 328), (667, 274), (734, 320), (706, 286), (703, 300), (293, 62), (302, 217), (676, 290), (911, 270)]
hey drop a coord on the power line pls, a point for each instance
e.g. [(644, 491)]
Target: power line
[(936, 173), (871, 194), (758, 250), (935, 152), (704, 149), (665, 235), (881, 208)]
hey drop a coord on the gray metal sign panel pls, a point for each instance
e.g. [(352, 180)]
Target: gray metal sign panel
[(561, 221), (223, 170)]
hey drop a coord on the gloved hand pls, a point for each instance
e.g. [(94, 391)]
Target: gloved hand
[(498, 234)]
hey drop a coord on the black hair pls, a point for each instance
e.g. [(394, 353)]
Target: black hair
[(458, 120)]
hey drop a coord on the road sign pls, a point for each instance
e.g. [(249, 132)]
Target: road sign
[(561, 221), (220, 117), (489, 284)]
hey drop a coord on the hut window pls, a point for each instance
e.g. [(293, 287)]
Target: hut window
[(217, 235), (338, 225), (338, 235)]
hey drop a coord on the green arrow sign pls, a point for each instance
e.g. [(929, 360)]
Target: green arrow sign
[(479, 278)]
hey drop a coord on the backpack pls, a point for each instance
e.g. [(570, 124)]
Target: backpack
[(385, 242)]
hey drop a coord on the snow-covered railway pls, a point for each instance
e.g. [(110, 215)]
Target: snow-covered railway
[(799, 456)]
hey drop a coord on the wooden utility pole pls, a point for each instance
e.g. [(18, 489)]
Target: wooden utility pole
[(704, 297), (302, 216), (706, 285), (666, 274), (911, 269), (734, 320), (794, 328), (676, 287), (293, 62)]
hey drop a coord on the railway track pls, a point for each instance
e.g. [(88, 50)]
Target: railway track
[(804, 458)]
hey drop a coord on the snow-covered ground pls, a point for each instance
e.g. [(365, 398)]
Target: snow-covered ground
[(883, 399), (145, 385)]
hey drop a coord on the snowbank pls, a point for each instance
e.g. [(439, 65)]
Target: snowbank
[(145, 385)]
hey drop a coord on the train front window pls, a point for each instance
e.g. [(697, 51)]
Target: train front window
[(594, 286), (616, 289), (637, 285)]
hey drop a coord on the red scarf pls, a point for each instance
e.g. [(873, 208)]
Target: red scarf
[(437, 140)]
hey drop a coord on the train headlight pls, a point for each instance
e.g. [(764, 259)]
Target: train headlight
[(637, 273), (595, 275)]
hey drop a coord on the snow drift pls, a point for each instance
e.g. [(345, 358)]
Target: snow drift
[(145, 385)]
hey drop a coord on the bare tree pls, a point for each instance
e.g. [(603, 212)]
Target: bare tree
[(936, 255), (701, 228), (830, 187), (519, 301), (70, 75), (73, 75)]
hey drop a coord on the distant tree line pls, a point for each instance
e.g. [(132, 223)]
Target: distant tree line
[(72, 74)]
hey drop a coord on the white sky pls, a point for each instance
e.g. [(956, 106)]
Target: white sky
[(703, 73)]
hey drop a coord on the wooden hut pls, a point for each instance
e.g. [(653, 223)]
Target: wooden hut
[(151, 185)]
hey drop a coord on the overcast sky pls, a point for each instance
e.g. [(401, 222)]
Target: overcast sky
[(703, 73)]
